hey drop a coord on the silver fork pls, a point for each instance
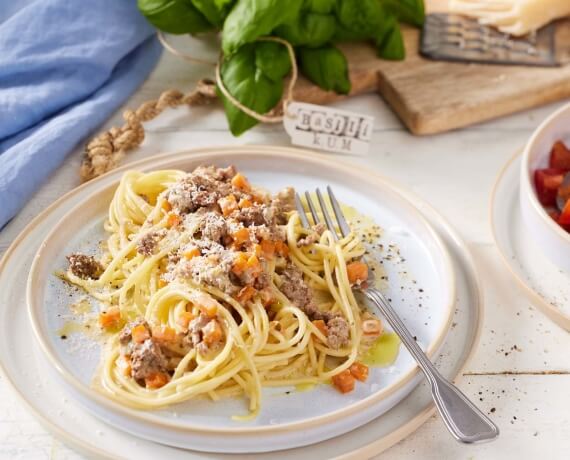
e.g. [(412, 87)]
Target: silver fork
[(462, 418)]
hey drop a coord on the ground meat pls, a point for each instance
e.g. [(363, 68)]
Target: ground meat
[(146, 359), (312, 237), (213, 227), (251, 216), (213, 270), (148, 243), (284, 201), (273, 233), (85, 267), (293, 286), (201, 188), (125, 336), (338, 332)]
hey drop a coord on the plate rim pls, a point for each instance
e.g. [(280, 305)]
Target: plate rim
[(214, 153), (464, 254), (554, 314)]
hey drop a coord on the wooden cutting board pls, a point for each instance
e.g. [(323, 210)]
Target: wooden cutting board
[(436, 96)]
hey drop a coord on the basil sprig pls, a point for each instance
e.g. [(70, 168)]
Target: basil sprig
[(253, 71)]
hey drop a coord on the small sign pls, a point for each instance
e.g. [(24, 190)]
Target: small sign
[(328, 128)]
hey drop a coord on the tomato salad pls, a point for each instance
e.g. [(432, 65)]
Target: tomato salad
[(553, 185)]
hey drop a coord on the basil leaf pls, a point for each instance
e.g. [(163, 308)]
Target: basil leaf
[(272, 59), (174, 16), (309, 29), (251, 19), (389, 40), (320, 6), (326, 67), (409, 11), (249, 85), (361, 17), (210, 10)]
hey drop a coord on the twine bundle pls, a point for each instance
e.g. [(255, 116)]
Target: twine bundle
[(105, 151)]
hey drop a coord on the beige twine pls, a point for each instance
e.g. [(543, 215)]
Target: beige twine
[(104, 152)]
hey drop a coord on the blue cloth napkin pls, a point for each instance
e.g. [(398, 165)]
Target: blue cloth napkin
[(65, 67)]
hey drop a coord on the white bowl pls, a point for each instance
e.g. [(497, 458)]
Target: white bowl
[(550, 237)]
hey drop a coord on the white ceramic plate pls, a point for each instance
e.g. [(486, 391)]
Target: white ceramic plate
[(422, 289), (51, 404), (544, 283)]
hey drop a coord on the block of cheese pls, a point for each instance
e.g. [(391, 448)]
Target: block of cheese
[(514, 17)]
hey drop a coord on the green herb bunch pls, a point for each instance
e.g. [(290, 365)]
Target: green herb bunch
[(253, 71)]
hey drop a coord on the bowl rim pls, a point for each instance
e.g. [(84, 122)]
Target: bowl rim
[(212, 153), (527, 189)]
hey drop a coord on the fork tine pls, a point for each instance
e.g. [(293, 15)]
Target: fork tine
[(301, 211), (342, 224), (326, 215), (312, 208)]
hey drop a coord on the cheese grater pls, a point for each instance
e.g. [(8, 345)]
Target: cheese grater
[(451, 37)]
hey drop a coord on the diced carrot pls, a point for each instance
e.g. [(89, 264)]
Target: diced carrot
[(257, 250), (173, 220), (166, 206), (239, 181), (321, 326), (240, 263), (252, 262), (268, 248), (184, 319), (210, 310), (110, 318), (164, 334), (140, 333), (344, 382), (162, 283), (359, 371), (156, 380), (212, 332), (357, 272), (372, 327), (245, 203), (228, 205), (124, 363), (267, 297), (281, 248), (246, 293), (241, 235), (191, 252)]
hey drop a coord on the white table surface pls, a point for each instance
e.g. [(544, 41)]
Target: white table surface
[(529, 389)]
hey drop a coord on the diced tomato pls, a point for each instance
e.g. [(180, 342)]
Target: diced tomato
[(156, 380), (564, 218), (163, 334), (140, 333), (359, 371), (560, 156), (547, 182), (357, 272), (344, 382), (110, 318)]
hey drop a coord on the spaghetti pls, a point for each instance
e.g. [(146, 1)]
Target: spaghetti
[(212, 287)]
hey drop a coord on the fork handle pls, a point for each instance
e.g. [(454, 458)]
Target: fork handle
[(461, 417)]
